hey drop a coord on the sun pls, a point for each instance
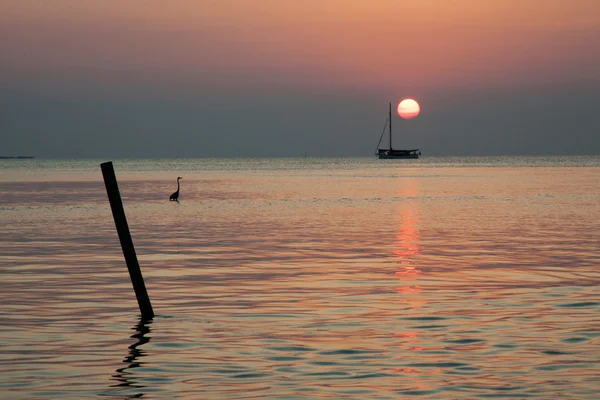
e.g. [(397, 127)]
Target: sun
[(408, 108)]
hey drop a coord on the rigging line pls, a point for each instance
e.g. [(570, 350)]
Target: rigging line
[(382, 132)]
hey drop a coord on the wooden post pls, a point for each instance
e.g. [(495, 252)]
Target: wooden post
[(116, 204)]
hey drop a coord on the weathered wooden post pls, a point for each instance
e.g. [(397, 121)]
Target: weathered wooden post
[(116, 204)]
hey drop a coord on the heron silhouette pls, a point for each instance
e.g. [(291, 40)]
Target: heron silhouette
[(175, 196)]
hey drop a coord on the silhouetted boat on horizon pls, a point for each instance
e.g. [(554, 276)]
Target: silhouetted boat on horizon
[(392, 153)]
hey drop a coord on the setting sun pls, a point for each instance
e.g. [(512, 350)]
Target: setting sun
[(408, 108)]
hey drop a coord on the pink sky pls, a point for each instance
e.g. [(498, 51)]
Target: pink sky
[(425, 43)]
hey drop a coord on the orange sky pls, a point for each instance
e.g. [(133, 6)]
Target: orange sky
[(314, 76), (424, 43)]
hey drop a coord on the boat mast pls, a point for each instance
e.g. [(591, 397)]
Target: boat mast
[(390, 118)]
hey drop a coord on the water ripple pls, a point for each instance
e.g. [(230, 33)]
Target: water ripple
[(352, 281)]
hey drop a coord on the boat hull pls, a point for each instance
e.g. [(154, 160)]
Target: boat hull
[(386, 157), (387, 154)]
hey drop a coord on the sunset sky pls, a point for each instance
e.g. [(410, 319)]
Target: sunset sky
[(225, 78)]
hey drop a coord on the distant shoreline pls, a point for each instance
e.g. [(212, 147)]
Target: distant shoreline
[(15, 157)]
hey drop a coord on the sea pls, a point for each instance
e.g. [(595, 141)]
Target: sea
[(303, 278)]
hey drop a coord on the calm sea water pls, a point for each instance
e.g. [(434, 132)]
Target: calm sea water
[(453, 278)]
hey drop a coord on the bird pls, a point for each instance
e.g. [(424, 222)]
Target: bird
[(175, 196)]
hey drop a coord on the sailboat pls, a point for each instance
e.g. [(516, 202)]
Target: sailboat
[(392, 153)]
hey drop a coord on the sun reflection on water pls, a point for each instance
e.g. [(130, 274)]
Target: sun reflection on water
[(407, 248), (407, 245)]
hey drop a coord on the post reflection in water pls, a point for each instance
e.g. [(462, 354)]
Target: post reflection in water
[(125, 375)]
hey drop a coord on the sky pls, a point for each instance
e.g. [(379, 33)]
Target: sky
[(272, 78)]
